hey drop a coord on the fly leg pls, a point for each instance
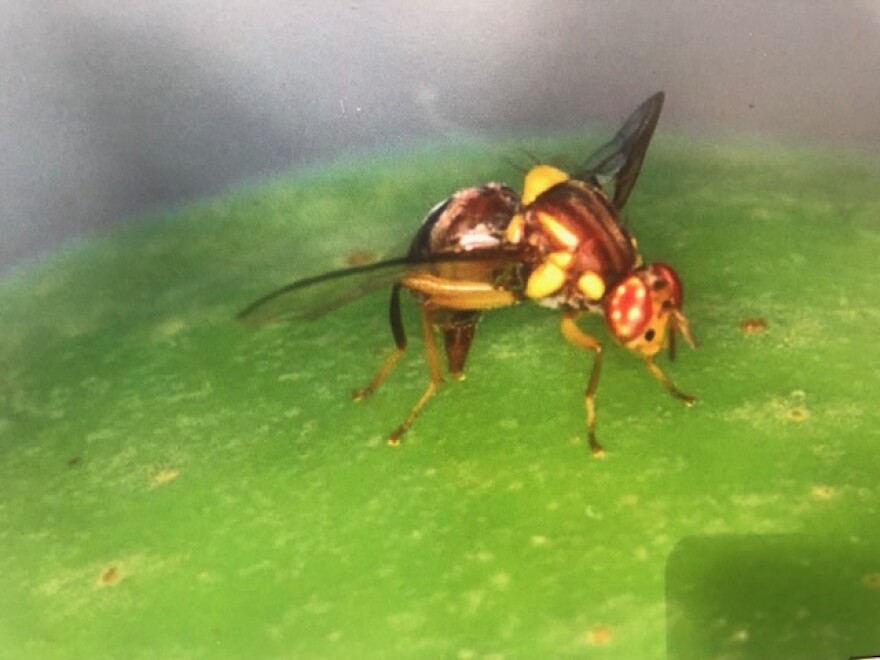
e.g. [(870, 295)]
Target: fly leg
[(388, 363), (432, 356), (679, 324), (438, 296), (578, 337), (657, 372)]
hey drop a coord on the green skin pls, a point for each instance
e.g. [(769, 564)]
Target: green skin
[(175, 485)]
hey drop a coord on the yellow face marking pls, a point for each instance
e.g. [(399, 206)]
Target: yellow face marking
[(539, 179), (515, 229), (545, 280), (591, 285), (557, 230)]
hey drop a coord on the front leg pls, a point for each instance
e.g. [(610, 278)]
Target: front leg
[(687, 399), (578, 337)]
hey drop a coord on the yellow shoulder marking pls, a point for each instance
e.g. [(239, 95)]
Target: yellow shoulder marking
[(539, 179)]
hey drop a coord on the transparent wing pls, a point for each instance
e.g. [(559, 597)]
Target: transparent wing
[(312, 297), (616, 165)]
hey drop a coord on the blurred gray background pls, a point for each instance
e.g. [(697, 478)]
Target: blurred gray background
[(110, 109)]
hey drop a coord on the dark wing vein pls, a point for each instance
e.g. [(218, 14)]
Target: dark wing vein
[(312, 297), (615, 166)]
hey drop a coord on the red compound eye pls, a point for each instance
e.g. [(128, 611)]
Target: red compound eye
[(671, 278), (629, 309)]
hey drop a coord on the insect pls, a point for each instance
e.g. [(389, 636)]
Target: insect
[(561, 244)]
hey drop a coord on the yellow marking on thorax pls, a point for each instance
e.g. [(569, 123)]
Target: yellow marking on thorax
[(515, 229), (591, 285), (561, 259), (635, 245), (539, 179), (549, 277), (557, 230)]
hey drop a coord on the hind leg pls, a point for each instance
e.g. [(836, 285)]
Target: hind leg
[(432, 356), (389, 362)]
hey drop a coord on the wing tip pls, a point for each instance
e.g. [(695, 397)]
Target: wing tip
[(251, 317), (248, 320)]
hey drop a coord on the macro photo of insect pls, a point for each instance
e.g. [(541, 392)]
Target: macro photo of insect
[(561, 243)]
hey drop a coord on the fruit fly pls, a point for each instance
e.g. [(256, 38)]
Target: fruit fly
[(561, 243)]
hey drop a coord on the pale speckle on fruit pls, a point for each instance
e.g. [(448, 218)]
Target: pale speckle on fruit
[(823, 492), (165, 476)]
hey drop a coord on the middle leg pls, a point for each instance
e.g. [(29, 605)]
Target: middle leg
[(388, 364), (432, 356), (578, 337)]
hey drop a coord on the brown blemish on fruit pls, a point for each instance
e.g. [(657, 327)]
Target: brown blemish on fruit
[(165, 476), (753, 326), (360, 258), (823, 493), (110, 576), (871, 580), (794, 408), (600, 635)]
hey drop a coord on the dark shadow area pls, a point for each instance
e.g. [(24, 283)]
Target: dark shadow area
[(773, 596)]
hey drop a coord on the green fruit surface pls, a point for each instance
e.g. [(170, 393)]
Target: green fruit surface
[(176, 485)]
